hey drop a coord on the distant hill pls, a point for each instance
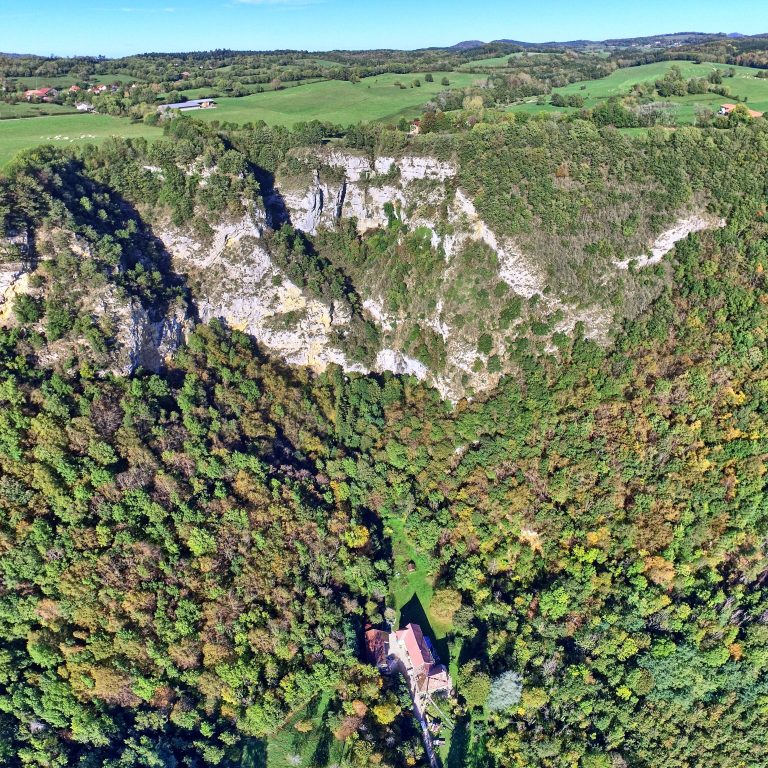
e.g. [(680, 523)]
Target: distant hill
[(467, 45), (665, 40)]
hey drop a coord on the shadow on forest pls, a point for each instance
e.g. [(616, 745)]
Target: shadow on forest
[(254, 754), (413, 611), (457, 755)]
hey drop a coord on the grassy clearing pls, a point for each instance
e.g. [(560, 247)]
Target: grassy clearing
[(16, 135), (318, 747), (414, 589), (743, 84), (31, 109), (374, 99), (64, 81), (498, 61)]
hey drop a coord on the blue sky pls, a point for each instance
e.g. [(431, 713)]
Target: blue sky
[(119, 27)]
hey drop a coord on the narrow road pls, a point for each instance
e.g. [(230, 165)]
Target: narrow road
[(427, 738)]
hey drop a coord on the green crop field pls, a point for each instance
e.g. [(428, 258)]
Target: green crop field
[(743, 84), (373, 99), (16, 135)]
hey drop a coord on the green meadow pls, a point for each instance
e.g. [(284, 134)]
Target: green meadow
[(33, 109), (619, 83), (497, 61), (375, 99), (64, 130), (64, 81)]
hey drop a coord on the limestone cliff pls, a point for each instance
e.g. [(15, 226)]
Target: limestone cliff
[(478, 294)]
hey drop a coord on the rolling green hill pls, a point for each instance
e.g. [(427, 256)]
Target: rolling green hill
[(743, 84), (375, 99)]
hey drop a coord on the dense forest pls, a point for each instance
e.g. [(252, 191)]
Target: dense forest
[(189, 557)]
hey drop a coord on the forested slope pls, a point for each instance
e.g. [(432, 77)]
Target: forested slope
[(189, 556)]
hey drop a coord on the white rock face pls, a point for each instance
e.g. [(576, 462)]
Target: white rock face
[(14, 281), (397, 362), (514, 269), (383, 165), (375, 307), (667, 240), (412, 168), (362, 193), (235, 280), (141, 341)]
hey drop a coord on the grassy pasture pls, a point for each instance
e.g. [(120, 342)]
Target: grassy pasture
[(618, 83), (497, 61), (374, 99), (33, 109), (62, 130)]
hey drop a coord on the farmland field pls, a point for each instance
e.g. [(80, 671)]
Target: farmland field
[(16, 135), (743, 84), (64, 81), (34, 109), (498, 61), (373, 99)]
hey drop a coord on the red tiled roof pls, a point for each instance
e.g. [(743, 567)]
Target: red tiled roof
[(417, 648), (728, 108)]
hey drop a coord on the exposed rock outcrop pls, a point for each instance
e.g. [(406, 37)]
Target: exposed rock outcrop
[(363, 189), (666, 241), (234, 279)]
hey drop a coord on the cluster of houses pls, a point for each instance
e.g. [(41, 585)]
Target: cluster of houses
[(49, 94)]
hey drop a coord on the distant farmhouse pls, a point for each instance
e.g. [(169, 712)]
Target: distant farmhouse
[(185, 106), (46, 94), (726, 109)]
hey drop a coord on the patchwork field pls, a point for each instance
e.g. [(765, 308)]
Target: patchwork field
[(619, 83), (16, 135)]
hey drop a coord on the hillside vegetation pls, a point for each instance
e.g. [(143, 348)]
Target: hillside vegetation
[(215, 472)]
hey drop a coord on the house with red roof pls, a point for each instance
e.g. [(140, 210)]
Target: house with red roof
[(41, 93), (726, 109)]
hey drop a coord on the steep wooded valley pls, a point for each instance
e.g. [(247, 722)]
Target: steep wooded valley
[(263, 388)]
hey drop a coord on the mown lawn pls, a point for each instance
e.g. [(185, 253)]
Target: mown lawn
[(374, 99), (62, 130)]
